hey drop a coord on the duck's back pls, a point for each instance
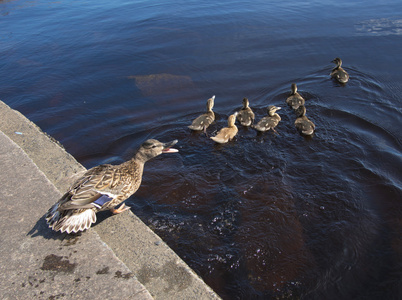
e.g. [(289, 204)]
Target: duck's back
[(202, 121), (245, 116), (225, 134), (267, 123), (304, 125), (295, 100), (340, 74)]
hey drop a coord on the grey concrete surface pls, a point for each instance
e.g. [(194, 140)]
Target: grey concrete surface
[(36, 263), (117, 258)]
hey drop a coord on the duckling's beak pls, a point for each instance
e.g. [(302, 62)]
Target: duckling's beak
[(278, 108), (167, 149)]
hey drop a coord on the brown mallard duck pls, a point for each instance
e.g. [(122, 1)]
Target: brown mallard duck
[(226, 134), (302, 123), (102, 188), (270, 121), (203, 121), (338, 72), (245, 116), (295, 99)]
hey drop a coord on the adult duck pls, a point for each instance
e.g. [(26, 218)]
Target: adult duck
[(226, 134), (102, 188), (302, 123), (270, 121), (246, 116), (295, 99), (338, 72), (203, 121)]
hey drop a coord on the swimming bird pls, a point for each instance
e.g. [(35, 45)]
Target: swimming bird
[(245, 115), (226, 134), (102, 188), (203, 121), (295, 99), (338, 72), (302, 123), (270, 121)]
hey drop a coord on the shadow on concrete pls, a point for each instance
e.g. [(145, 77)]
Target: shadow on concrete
[(41, 229)]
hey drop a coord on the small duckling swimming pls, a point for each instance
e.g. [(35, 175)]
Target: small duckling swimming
[(203, 121), (270, 121), (295, 99), (302, 123), (338, 72), (246, 115), (226, 134)]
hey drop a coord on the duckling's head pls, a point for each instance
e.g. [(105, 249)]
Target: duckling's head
[(210, 103), (245, 103), (300, 111), (337, 61), (293, 88), (272, 109), (151, 148), (232, 120)]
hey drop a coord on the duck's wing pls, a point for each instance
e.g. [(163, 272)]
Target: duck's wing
[(295, 101), (340, 74), (225, 135), (305, 126), (97, 187), (246, 117), (266, 123), (202, 121)]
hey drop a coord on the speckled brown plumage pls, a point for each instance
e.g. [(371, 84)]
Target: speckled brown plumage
[(203, 121), (295, 99), (246, 114), (338, 72), (101, 188)]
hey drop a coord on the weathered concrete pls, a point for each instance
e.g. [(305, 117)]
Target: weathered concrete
[(140, 250), (36, 263)]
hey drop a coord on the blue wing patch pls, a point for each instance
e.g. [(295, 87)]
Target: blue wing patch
[(101, 201)]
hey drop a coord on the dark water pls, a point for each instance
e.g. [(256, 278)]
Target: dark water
[(266, 216)]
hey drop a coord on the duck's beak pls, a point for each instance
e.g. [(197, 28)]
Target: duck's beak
[(278, 108), (167, 149)]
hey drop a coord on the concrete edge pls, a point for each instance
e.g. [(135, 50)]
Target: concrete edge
[(157, 267)]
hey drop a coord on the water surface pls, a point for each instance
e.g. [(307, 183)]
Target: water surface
[(268, 215)]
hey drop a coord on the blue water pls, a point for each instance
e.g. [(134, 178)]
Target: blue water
[(266, 216)]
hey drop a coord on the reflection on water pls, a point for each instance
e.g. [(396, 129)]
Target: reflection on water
[(266, 216)]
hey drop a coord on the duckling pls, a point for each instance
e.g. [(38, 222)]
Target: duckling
[(295, 99), (101, 188), (203, 121), (245, 116), (270, 121), (226, 134), (302, 123), (338, 72)]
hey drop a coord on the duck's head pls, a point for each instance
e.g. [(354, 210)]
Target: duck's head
[(293, 87), (272, 109), (245, 103), (151, 148), (300, 111), (210, 103), (232, 120), (337, 61)]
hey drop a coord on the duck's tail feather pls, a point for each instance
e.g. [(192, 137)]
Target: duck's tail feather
[(195, 127), (74, 220), (218, 139)]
